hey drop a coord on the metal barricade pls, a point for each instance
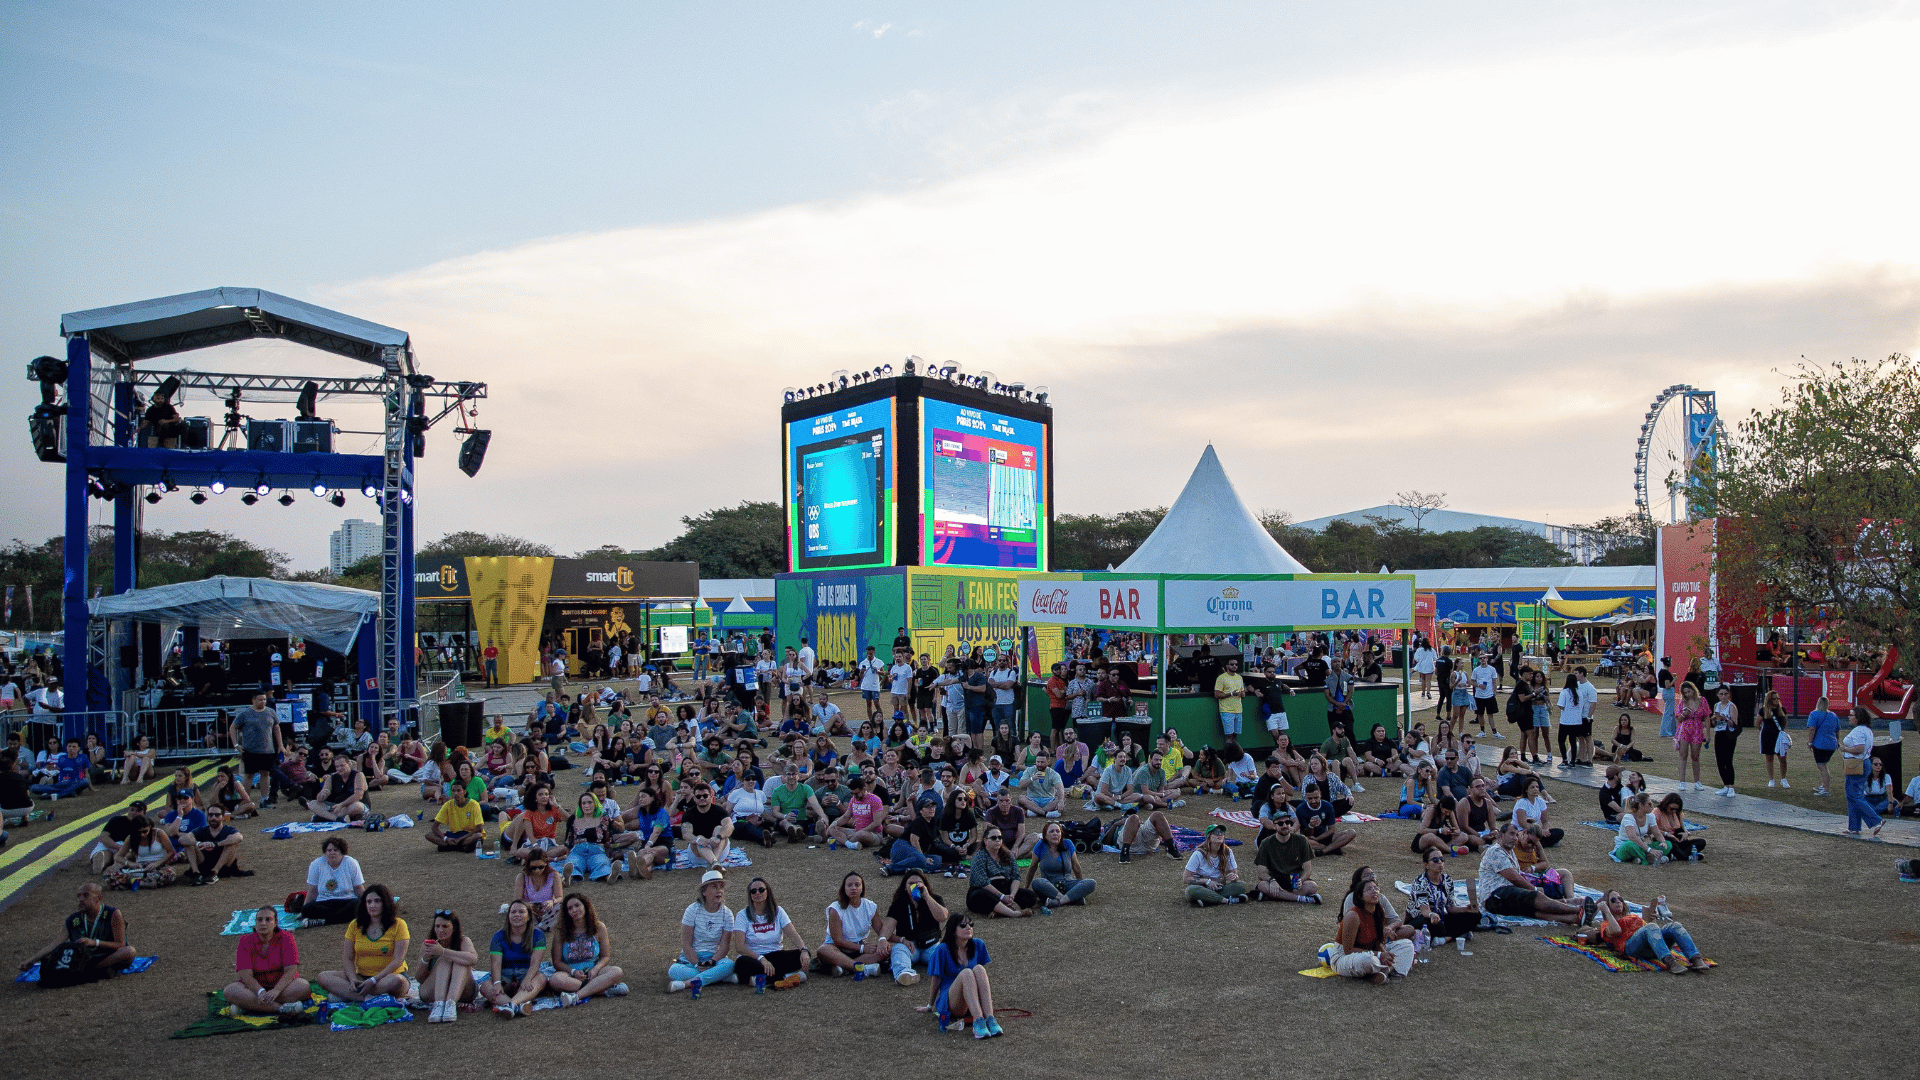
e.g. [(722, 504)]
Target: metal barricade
[(197, 731), (111, 726)]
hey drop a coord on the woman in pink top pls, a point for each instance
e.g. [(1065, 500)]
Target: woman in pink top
[(266, 965), (1691, 732)]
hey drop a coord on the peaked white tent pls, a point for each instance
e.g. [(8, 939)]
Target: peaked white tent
[(1210, 531), (739, 606)]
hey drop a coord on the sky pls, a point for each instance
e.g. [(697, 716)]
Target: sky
[(1361, 249)]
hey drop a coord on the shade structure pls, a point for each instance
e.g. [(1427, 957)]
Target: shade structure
[(1581, 609), (236, 608), (1209, 530)]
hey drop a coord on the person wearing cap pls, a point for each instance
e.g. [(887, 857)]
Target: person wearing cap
[(1212, 875), (1284, 864), (707, 939)]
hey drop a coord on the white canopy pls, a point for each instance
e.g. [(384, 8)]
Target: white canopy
[(234, 608), (1210, 531), (738, 607)]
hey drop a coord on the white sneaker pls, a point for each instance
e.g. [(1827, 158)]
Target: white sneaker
[(568, 999), (869, 970), (1770, 783), (1357, 789), (853, 845), (676, 985), (1728, 792), (1784, 783), (907, 978)]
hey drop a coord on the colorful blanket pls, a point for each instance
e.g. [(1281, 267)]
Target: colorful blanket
[(1606, 957), (242, 921), (217, 1022), (684, 860), (1356, 818), (306, 828), (1238, 817), (377, 1011), (1184, 839), (139, 964)]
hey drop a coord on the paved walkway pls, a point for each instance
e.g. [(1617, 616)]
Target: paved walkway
[(1904, 831)]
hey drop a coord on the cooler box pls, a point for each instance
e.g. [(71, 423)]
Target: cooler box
[(275, 436)]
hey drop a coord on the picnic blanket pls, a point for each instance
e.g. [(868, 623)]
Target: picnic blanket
[(1355, 818), (1238, 817), (217, 1022), (139, 964), (1460, 896), (1690, 826), (377, 1011), (1606, 957), (1321, 972), (1184, 839), (684, 860), (242, 921), (305, 828)]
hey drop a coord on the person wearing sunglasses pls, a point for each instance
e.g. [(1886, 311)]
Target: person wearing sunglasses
[(771, 950), (961, 990), (1283, 863), (992, 881), (706, 827), (1437, 909)]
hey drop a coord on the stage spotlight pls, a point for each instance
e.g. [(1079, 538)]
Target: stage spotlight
[(886, 371), (249, 498), (218, 487), (51, 373), (908, 363), (153, 497), (198, 498), (370, 490), (167, 482), (789, 393), (286, 499), (169, 386), (338, 498), (261, 488), (406, 497), (1040, 394), (318, 488)]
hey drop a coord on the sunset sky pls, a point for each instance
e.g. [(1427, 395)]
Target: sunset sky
[(1359, 248)]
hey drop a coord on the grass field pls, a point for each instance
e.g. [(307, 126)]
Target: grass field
[(1817, 944)]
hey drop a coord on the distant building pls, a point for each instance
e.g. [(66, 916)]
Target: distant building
[(1583, 546), (352, 541)]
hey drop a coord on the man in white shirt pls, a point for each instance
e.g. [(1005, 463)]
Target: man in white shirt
[(900, 684), (827, 719), (870, 670), (1004, 678), (1486, 710), (1589, 699)]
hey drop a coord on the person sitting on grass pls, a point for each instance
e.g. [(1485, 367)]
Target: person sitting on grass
[(1436, 908), (1640, 840), (458, 825), (1506, 890), (1332, 788), (1212, 875), (1613, 795), (1365, 949), (912, 925), (706, 827), (851, 947), (582, 953), (1042, 791), (1316, 818), (1530, 813), (706, 939), (1440, 830), (144, 857), (1284, 864), (771, 950), (922, 846), (213, 850), (795, 810), (1381, 756), (961, 991), (1209, 773), (1271, 780), (95, 942), (1670, 818), (537, 829), (266, 966), (334, 884), (63, 775), (446, 975), (863, 823), (652, 835), (1054, 872), (231, 794), (343, 794), (1274, 805), (590, 832), (518, 954), (1631, 935), (992, 881), (374, 954)]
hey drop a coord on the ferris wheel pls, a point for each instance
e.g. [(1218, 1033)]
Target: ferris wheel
[(1679, 443)]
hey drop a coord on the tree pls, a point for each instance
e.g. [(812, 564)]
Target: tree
[(745, 541), (461, 545), (1092, 542), (165, 559), (1820, 498), (1418, 504), (1623, 540)]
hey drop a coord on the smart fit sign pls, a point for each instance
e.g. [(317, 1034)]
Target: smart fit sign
[(1322, 603), (1107, 602)]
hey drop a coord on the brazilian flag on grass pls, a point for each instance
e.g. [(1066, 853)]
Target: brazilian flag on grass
[(218, 1022)]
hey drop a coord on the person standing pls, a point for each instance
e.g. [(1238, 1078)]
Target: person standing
[(871, 670), (1823, 738), (1856, 750), (256, 731), (1424, 659), (1486, 684), (1726, 737), (1230, 691), (1443, 677), (1589, 700), (492, 657)]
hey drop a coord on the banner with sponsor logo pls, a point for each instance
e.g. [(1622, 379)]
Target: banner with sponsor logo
[(1111, 602), (610, 579), (1328, 602), (1683, 564)]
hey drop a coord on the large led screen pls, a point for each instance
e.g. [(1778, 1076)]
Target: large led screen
[(840, 507), (984, 497)]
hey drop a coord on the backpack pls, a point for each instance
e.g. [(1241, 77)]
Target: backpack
[(69, 965), (1084, 834)]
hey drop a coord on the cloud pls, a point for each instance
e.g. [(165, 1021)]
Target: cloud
[(1486, 270)]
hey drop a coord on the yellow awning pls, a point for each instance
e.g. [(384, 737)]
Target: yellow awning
[(1581, 609)]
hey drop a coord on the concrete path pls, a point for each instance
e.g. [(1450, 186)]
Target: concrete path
[(1902, 831)]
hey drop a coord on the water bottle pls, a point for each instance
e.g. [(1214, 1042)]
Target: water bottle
[(1661, 912), (1422, 943)]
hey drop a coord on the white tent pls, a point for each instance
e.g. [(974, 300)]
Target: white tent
[(236, 608), (739, 606), (1210, 531)]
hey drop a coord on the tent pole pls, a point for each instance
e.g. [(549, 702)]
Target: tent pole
[(1406, 682), (1164, 639)]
